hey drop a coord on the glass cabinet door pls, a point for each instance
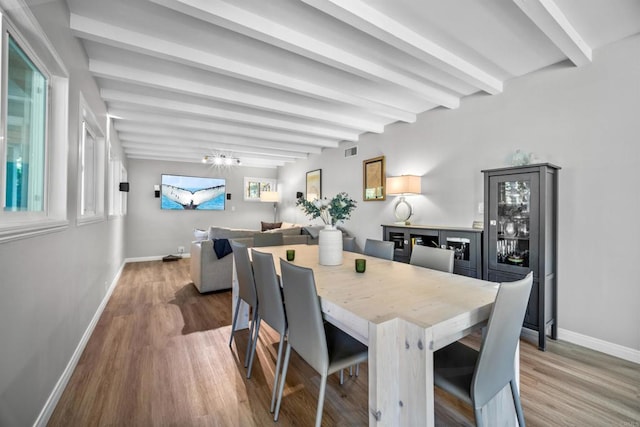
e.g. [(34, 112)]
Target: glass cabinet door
[(513, 221)]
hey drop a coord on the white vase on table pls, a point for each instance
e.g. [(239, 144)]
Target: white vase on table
[(330, 246)]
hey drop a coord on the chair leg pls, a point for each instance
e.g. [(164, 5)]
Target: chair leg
[(516, 402), (253, 324), (357, 369), (341, 376), (252, 346), (323, 387), (275, 379), (351, 370), (283, 378), (235, 319), (477, 412)]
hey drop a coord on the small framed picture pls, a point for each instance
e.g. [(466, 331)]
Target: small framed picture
[(373, 179), (314, 185)]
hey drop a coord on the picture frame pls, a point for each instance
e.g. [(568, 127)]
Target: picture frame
[(254, 186), (373, 180), (314, 185)]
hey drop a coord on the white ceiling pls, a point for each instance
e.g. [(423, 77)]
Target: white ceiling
[(270, 82)]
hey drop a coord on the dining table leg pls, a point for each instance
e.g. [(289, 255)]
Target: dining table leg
[(400, 374)]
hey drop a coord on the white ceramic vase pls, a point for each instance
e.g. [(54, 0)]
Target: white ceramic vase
[(330, 246)]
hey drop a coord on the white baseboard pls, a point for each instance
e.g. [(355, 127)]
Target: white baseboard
[(591, 343), (596, 344), (153, 258), (54, 397)]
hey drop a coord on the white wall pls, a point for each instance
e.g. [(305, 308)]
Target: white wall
[(153, 232), (52, 285), (585, 120)]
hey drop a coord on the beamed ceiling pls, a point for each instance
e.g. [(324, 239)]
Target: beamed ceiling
[(273, 81)]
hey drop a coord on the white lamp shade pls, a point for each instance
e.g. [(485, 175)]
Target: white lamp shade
[(405, 184), (269, 196)]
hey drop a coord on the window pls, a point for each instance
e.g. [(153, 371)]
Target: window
[(33, 131), (91, 168), (88, 166), (254, 186), (117, 198), (25, 132)]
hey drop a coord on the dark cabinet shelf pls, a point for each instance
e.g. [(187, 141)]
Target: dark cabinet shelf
[(520, 228), (465, 242)]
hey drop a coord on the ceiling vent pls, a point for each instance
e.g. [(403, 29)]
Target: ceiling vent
[(350, 152)]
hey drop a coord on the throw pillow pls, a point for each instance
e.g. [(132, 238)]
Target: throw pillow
[(289, 225), (200, 235), (269, 225)]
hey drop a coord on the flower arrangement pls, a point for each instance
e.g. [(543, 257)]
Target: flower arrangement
[(330, 211)]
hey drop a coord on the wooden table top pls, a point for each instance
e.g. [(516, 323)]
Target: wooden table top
[(388, 290)]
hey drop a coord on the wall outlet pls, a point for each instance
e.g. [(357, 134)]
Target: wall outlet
[(180, 249)]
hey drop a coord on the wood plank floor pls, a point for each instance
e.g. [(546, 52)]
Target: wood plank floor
[(160, 356)]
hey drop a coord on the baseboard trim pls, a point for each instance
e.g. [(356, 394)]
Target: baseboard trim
[(591, 343), (152, 258), (54, 397), (602, 346)]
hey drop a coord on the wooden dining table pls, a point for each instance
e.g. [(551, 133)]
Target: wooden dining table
[(403, 313)]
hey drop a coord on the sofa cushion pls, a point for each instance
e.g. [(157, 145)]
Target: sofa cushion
[(290, 225), (269, 225), (229, 233), (313, 230), (293, 231)]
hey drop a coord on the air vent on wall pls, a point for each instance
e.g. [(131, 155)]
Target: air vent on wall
[(350, 152)]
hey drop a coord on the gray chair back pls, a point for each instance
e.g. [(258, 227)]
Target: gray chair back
[(306, 330), (495, 366), (271, 308), (433, 258), (379, 249), (244, 270), (267, 239)]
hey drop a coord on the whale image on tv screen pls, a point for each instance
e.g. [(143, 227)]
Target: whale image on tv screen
[(181, 192)]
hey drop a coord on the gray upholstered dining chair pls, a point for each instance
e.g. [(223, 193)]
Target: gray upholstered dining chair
[(379, 249), (323, 346), (270, 310), (433, 258), (267, 239), (246, 293), (476, 377)]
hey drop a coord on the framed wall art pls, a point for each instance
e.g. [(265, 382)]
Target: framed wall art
[(373, 179), (314, 185), (254, 186)]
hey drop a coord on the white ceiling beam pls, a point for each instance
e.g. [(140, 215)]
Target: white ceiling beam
[(364, 17), (176, 84), (187, 134), (169, 157), (141, 147), (220, 113), (218, 128), (552, 21), (205, 148), (250, 24), (112, 35)]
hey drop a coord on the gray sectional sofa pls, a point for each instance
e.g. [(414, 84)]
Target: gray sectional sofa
[(210, 273)]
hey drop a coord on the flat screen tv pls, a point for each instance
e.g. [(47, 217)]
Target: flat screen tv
[(192, 192)]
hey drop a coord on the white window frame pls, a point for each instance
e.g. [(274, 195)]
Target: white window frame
[(90, 213), (117, 198), (27, 33), (245, 187)]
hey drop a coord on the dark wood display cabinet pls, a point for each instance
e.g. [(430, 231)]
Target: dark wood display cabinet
[(520, 226), (466, 242)]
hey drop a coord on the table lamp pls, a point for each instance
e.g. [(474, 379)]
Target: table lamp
[(272, 197), (402, 186)]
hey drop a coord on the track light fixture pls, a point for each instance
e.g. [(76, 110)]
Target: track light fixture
[(221, 160)]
